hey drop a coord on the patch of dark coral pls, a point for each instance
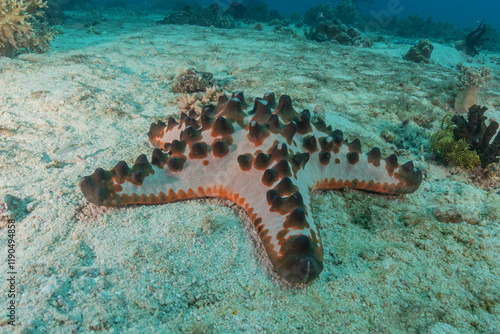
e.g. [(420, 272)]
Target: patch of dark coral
[(478, 135), (475, 39), (192, 81), (420, 53), (205, 17), (337, 32)]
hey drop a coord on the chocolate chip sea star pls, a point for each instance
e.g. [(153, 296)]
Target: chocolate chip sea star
[(267, 159)]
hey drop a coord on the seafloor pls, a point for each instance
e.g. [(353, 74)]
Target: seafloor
[(422, 263)]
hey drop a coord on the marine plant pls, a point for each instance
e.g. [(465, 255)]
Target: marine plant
[(192, 81), (20, 27), (347, 12), (420, 53), (475, 39), (455, 152), (470, 80), (198, 100), (467, 142)]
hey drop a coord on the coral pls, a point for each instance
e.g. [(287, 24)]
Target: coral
[(459, 45), (467, 142), (205, 17), (475, 39), (237, 10), (492, 172), (197, 101), (347, 11), (192, 81), (20, 27), (258, 11), (421, 52), (454, 152), (470, 80), (473, 76), (413, 26), (478, 135), (338, 32), (319, 13)]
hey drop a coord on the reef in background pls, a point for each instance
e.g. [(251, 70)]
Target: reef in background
[(22, 28), (205, 17), (337, 32)]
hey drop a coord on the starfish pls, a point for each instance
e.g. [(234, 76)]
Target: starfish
[(267, 159)]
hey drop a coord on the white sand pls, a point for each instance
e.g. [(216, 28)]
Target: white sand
[(195, 266)]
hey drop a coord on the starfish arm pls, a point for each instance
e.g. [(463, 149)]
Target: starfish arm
[(349, 168), (279, 209)]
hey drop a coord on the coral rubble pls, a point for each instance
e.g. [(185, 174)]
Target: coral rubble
[(197, 101), (192, 81)]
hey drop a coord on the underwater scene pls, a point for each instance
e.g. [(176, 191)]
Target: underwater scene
[(249, 166)]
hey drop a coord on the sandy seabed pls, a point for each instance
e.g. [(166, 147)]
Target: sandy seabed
[(392, 264)]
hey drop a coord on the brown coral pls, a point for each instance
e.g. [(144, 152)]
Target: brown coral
[(420, 53), (192, 81), (17, 18)]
